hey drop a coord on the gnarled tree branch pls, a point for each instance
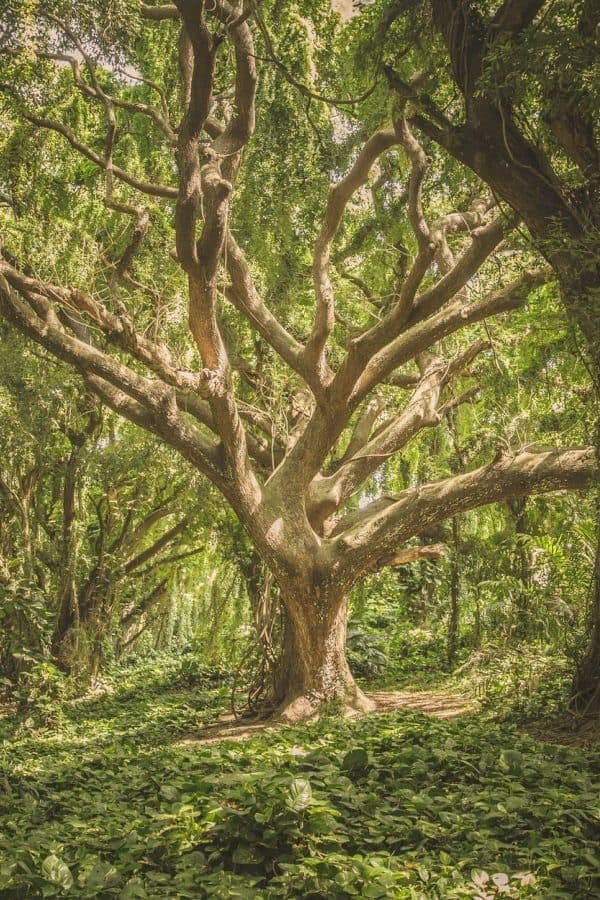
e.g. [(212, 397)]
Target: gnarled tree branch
[(396, 519)]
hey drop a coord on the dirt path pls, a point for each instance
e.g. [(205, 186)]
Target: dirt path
[(432, 703)]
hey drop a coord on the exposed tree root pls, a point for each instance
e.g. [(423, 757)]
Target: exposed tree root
[(303, 708)]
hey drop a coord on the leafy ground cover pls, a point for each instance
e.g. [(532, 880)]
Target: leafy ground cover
[(102, 798)]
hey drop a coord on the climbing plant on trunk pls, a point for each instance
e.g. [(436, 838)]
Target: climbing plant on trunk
[(303, 478)]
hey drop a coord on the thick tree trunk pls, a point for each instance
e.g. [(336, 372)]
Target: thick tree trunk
[(313, 669)]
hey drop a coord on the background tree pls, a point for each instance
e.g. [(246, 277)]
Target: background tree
[(95, 520), (524, 117)]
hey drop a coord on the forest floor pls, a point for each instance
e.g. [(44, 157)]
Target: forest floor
[(566, 729), (441, 704), (107, 796)]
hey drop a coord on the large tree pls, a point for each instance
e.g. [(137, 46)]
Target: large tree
[(290, 450)]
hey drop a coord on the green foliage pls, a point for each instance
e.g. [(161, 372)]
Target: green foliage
[(526, 681), (514, 587), (114, 803), (137, 548), (366, 653)]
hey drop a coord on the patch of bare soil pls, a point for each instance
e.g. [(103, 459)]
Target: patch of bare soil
[(431, 703), (569, 730), (440, 705), (228, 728)]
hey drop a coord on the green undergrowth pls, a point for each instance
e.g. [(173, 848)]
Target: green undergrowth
[(513, 683), (108, 801), (521, 683)]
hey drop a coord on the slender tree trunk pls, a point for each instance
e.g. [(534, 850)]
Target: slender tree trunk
[(67, 620), (522, 566), (477, 629), (585, 694), (586, 687), (313, 667), (454, 619), (69, 617)]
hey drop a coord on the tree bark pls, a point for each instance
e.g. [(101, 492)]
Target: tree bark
[(313, 668), (69, 619), (64, 639)]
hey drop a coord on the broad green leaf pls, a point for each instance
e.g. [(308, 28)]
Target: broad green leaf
[(299, 795), (57, 871), (356, 760)]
